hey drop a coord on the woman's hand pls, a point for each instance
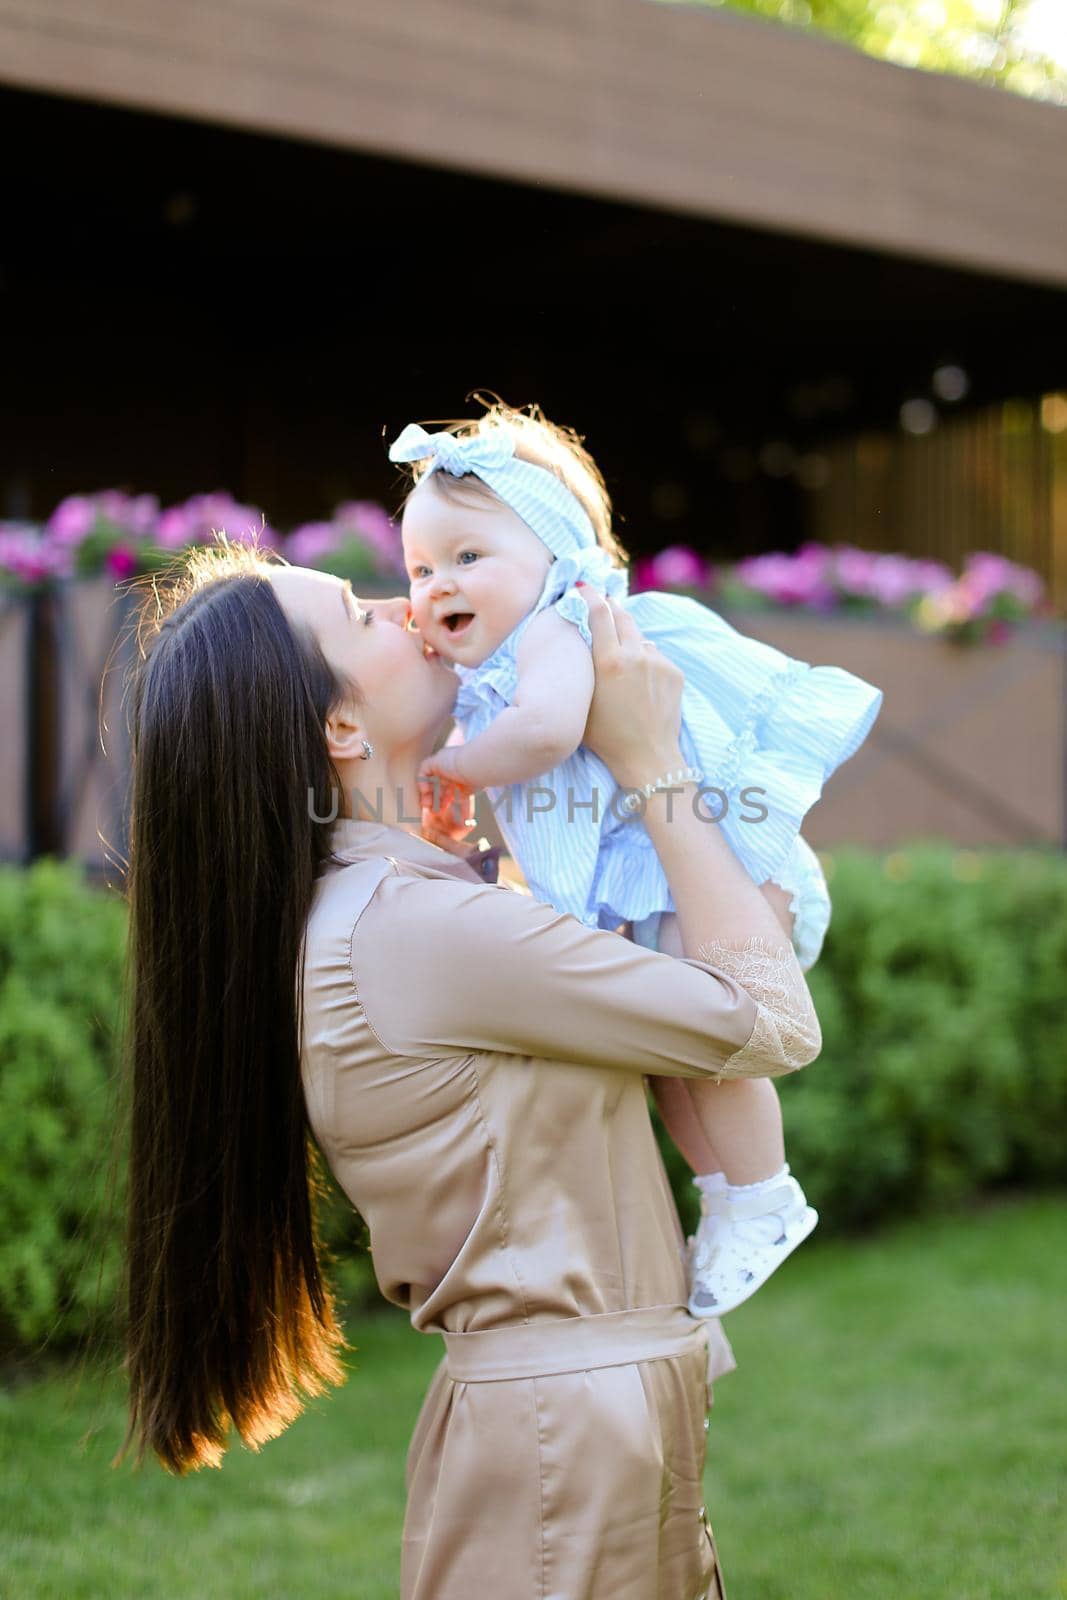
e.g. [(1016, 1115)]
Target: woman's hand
[(636, 714)]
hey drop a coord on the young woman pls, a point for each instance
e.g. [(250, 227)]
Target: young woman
[(471, 1064)]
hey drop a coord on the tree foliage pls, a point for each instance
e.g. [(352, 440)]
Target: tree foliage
[(982, 39)]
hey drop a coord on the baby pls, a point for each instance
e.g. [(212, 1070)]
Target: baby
[(508, 518)]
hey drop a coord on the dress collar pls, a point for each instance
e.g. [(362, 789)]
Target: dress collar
[(361, 841)]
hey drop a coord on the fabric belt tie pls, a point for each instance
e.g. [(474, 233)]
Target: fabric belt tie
[(576, 1344)]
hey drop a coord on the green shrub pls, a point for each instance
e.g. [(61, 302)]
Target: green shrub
[(61, 949), (62, 946), (943, 1072), (945, 1060)]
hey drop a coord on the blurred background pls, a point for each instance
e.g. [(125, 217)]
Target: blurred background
[(797, 271)]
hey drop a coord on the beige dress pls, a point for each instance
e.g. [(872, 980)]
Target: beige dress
[(474, 1072)]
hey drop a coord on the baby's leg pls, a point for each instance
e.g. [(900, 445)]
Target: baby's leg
[(734, 1126), (752, 1212), (675, 1106)]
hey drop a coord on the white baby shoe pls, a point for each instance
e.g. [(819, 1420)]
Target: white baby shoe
[(743, 1235)]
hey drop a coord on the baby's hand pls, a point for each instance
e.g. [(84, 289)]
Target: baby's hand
[(447, 814), (445, 764), (441, 775)]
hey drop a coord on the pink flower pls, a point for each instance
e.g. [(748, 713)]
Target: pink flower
[(372, 525), (142, 514), (204, 515), (985, 575), (31, 557), (893, 580), (677, 567), (72, 520), (173, 530), (932, 577), (311, 543), (120, 561), (111, 505), (854, 569), (790, 580)]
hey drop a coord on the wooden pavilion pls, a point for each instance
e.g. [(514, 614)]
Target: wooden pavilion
[(785, 291), (247, 237)]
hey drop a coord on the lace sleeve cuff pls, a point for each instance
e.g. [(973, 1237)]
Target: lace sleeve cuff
[(787, 1033)]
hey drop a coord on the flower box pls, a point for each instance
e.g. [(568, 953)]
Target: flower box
[(969, 746)]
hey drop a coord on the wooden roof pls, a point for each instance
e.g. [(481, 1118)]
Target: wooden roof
[(676, 107)]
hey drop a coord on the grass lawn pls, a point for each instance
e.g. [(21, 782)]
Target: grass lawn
[(897, 1431)]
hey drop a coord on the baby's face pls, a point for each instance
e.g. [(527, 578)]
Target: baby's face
[(475, 571)]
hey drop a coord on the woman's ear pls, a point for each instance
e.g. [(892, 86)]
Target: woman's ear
[(344, 735)]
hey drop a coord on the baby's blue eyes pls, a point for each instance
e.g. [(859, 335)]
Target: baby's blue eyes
[(424, 572)]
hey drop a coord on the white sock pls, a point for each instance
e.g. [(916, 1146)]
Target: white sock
[(758, 1230), (710, 1182), (764, 1186)]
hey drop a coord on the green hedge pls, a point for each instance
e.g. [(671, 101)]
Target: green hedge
[(61, 949), (943, 1072)]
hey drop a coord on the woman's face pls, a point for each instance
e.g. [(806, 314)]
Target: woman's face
[(407, 691)]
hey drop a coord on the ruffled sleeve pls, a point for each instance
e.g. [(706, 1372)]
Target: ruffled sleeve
[(593, 567), (798, 729), (485, 690)]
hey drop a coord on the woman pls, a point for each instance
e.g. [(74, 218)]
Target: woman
[(473, 1065)]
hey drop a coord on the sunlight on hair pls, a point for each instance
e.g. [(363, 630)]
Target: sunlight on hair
[(192, 570)]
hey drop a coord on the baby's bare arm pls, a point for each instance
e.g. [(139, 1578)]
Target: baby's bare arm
[(546, 722)]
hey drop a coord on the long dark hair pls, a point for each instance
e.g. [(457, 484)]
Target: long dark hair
[(229, 1313)]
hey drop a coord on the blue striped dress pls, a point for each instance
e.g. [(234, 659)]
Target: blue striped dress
[(766, 731)]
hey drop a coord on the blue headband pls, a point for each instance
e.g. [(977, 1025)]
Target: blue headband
[(543, 502)]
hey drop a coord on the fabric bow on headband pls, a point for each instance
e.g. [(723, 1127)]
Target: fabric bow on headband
[(534, 493), (493, 448)]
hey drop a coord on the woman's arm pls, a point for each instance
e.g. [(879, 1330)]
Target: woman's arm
[(669, 939), (634, 725), (543, 726), (723, 918), (442, 967)]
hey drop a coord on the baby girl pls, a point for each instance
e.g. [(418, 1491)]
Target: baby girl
[(508, 518)]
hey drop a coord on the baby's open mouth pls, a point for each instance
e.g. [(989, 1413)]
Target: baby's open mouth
[(458, 621)]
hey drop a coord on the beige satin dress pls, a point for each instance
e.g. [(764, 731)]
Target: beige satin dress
[(474, 1073)]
